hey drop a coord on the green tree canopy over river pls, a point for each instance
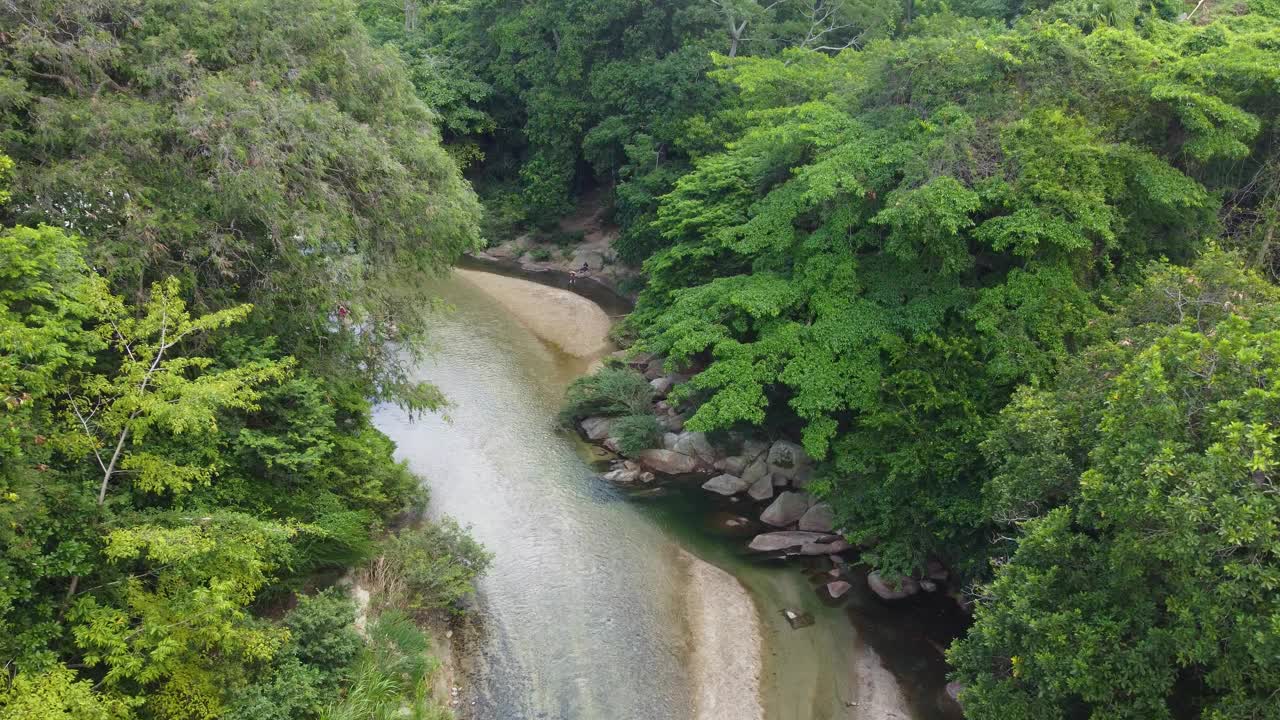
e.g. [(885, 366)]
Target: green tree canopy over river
[(1006, 269)]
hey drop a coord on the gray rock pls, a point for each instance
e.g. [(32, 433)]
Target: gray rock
[(622, 476), (668, 462), (673, 422), (756, 470), (779, 480), (725, 485), (830, 548), (695, 445), (761, 489), (818, 518), (787, 459), (752, 449), (802, 478), (935, 570), (597, 428), (900, 588), (669, 440), (661, 386), (928, 585), (786, 509), (734, 465), (954, 690), (778, 541), (838, 588), (654, 370), (613, 444)]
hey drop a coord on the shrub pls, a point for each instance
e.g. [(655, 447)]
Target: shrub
[(540, 254), (322, 632), (431, 567), (637, 432), (609, 391)]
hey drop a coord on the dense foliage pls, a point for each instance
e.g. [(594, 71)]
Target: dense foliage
[(960, 253), (216, 216)]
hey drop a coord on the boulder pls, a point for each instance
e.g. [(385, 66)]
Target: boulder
[(928, 585), (725, 485), (838, 588), (662, 407), (761, 489), (787, 459), (597, 428), (818, 518), (734, 465), (613, 444), (752, 449), (673, 422), (903, 587), (954, 690), (778, 541), (622, 476), (669, 441), (695, 445), (786, 509), (661, 386), (653, 369), (828, 548), (756, 470), (935, 570), (668, 462), (779, 480)]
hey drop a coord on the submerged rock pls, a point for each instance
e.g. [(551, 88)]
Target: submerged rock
[(797, 619), (838, 588), (818, 518), (787, 509), (902, 588), (668, 462), (786, 540), (725, 485)]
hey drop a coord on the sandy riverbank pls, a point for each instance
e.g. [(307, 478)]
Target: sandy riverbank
[(569, 321), (725, 636)]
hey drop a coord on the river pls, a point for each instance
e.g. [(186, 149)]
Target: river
[(584, 613)]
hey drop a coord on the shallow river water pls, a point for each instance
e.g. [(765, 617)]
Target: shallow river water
[(581, 616)]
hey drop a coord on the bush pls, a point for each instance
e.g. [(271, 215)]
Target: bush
[(431, 567), (609, 391), (540, 254), (322, 631), (637, 432)]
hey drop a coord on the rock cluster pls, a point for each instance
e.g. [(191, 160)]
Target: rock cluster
[(773, 476)]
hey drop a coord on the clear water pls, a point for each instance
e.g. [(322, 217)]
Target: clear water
[(581, 613)]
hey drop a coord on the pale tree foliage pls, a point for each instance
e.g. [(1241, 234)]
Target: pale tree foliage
[(154, 391), (823, 25)]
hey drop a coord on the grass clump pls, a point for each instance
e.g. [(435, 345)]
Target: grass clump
[(637, 432), (610, 391)]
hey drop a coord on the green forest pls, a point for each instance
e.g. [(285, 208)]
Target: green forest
[(1006, 269)]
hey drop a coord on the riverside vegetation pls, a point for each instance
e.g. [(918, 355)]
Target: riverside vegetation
[(1005, 269), (214, 218)]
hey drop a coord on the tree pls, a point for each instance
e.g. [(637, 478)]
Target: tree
[(1145, 585)]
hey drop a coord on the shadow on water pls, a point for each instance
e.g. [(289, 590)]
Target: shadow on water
[(909, 636)]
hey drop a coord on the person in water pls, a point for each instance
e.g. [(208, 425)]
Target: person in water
[(580, 272)]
